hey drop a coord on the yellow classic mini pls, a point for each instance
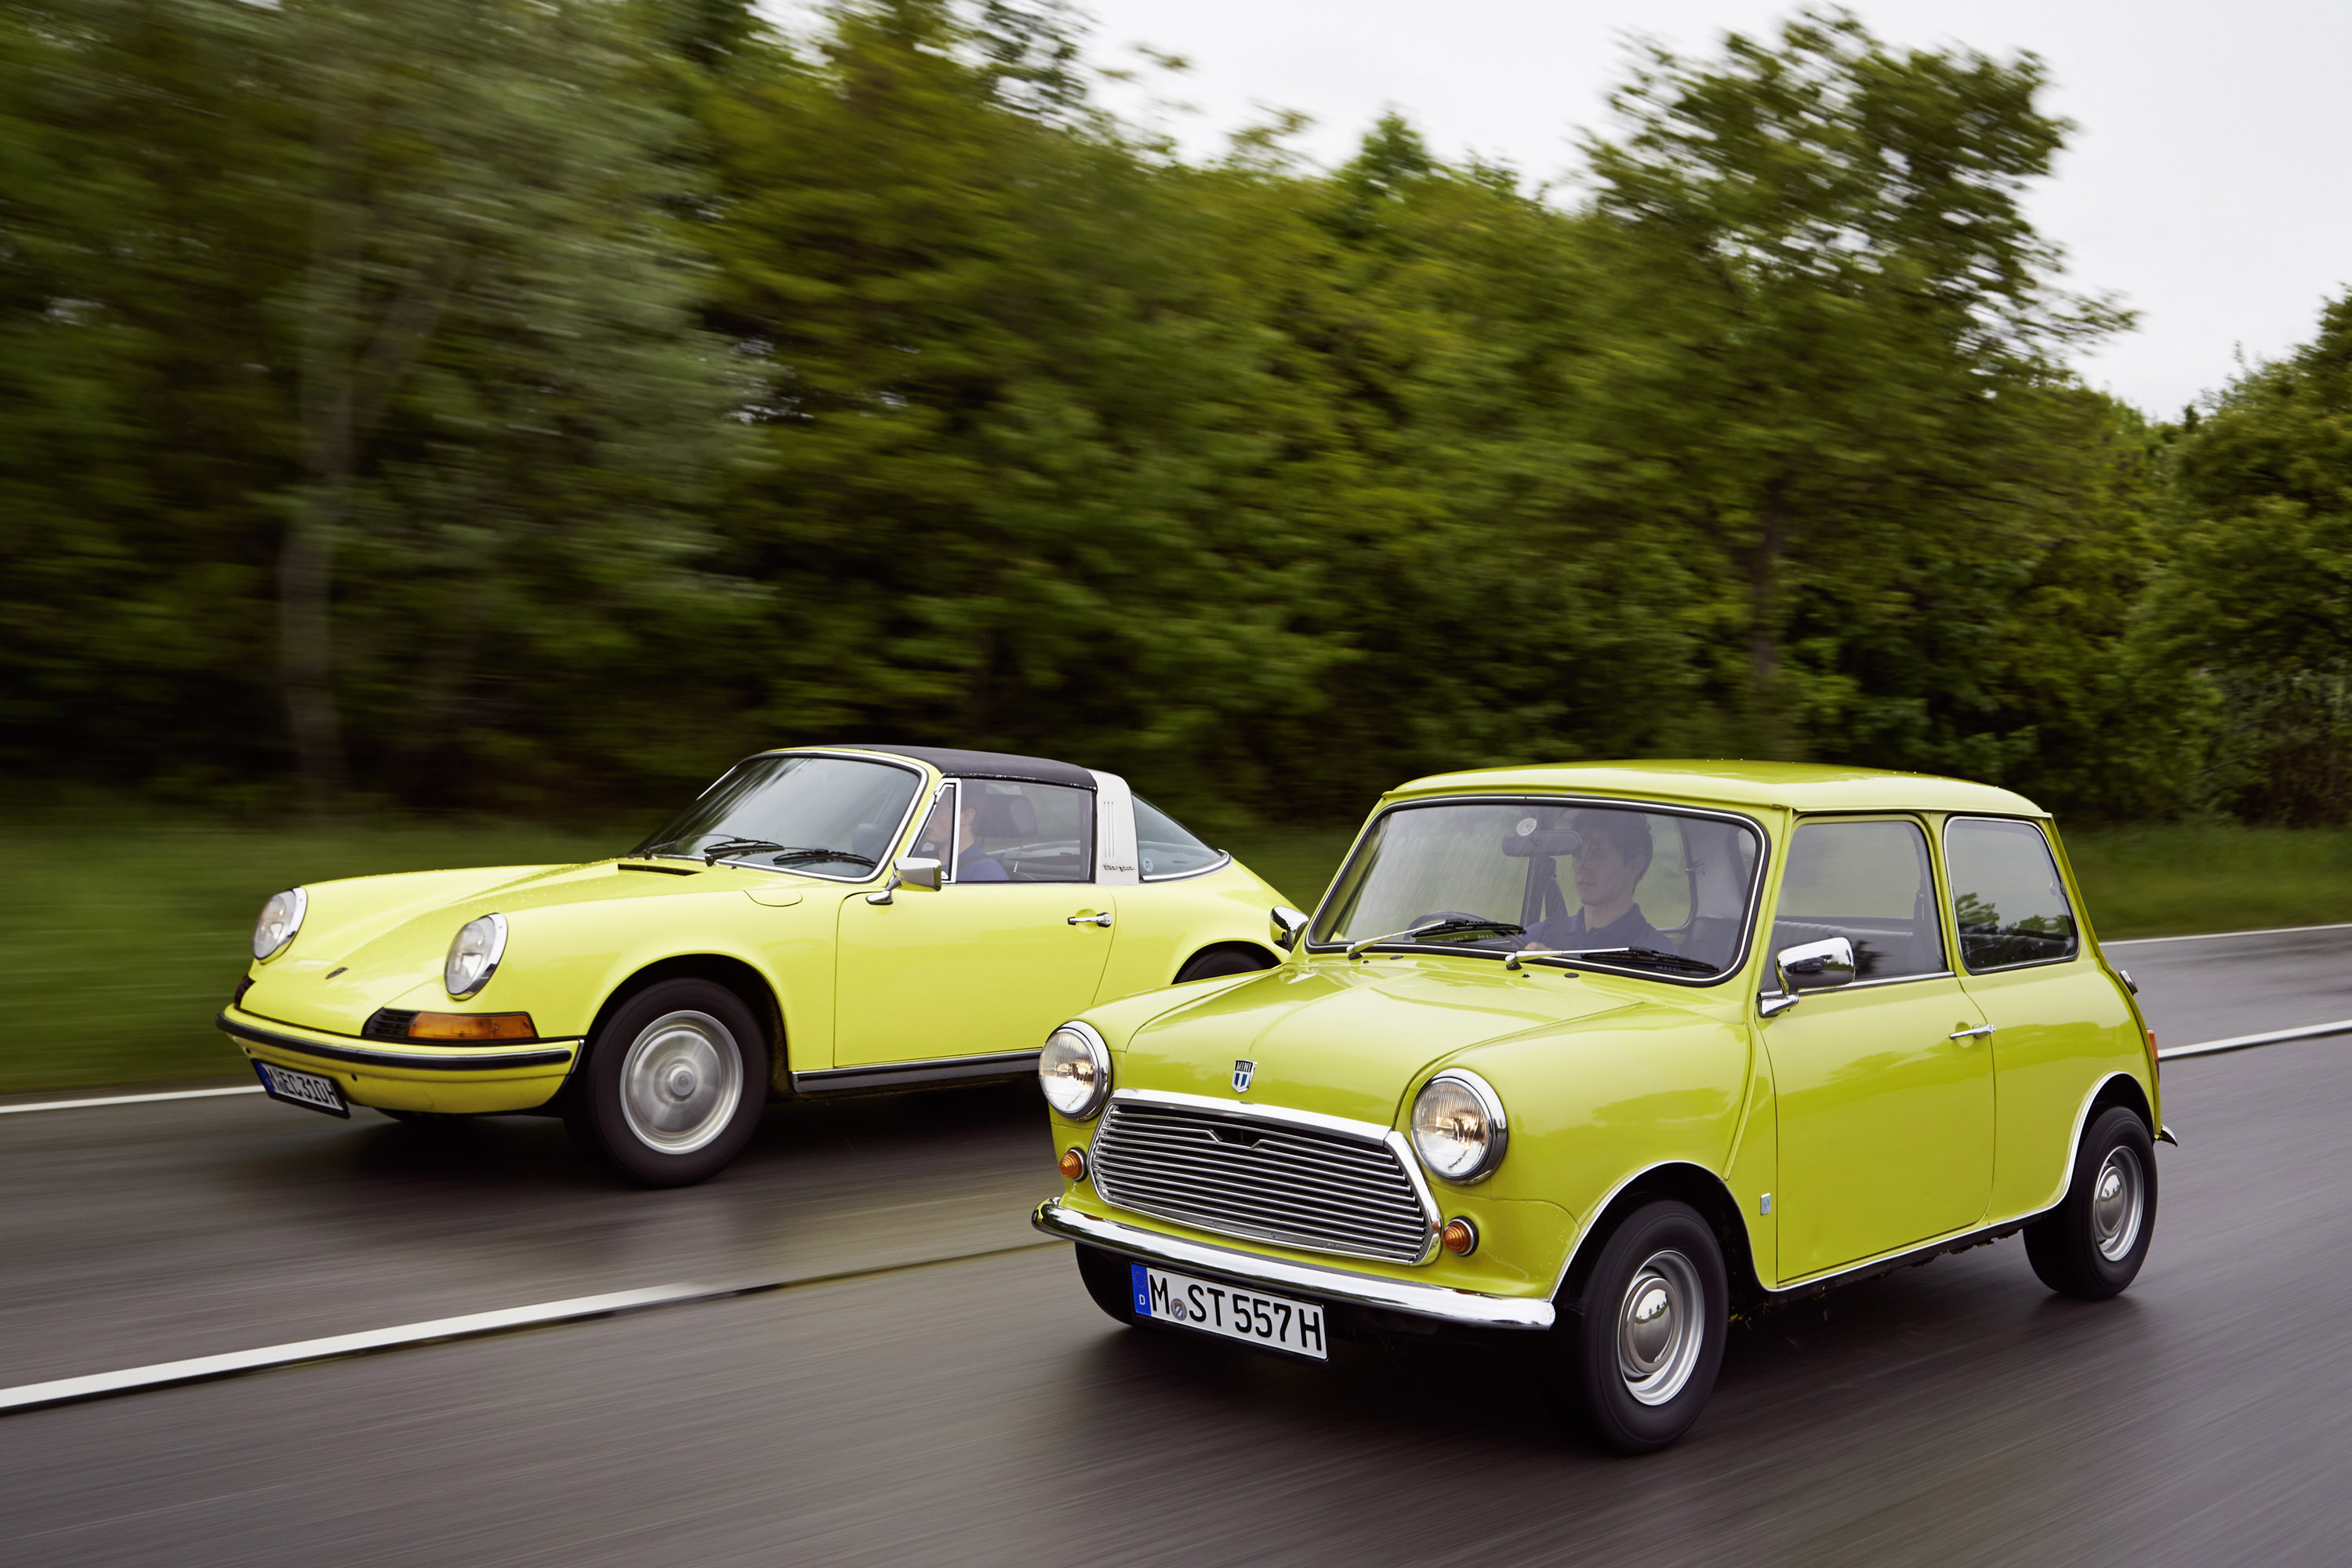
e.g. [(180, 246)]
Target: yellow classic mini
[(1606, 1054), (821, 920)]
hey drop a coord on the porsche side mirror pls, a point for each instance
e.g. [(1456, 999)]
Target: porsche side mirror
[(917, 871), (1809, 967), (1288, 924)]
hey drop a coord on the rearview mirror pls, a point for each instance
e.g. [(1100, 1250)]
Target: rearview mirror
[(1290, 925), (917, 871)]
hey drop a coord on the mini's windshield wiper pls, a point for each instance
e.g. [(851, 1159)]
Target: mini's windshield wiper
[(1648, 955), (820, 855), (1436, 928)]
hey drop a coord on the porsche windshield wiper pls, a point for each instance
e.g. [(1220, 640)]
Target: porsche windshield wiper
[(1436, 927), (854, 859), (713, 853)]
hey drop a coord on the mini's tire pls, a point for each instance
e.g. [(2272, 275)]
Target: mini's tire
[(1108, 1279), (2092, 1245), (1633, 1360), (673, 1086), (1219, 963)]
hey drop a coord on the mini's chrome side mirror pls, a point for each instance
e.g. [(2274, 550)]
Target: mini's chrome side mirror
[(908, 871), (1289, 926), (1809, 967)]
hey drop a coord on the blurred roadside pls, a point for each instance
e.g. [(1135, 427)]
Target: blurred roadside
[(129, 926)]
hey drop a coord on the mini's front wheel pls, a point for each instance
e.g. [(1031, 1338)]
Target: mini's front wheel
[(673, 1085), (2092, 1245), (1634, 1359)]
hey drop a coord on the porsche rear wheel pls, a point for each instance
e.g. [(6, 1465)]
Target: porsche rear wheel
[(1634, 1361), (1221, 961), (673, 1086)]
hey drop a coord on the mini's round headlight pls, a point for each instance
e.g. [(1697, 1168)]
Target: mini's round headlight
[(1457, 1126), (281, 917), (1075, 1069), (474, 955)]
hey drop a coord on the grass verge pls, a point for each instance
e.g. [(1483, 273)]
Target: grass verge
[(126, 933)]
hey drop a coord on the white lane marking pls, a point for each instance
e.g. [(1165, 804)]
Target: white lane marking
[(2217, 935), (67, 1390), (2239, 1042), (129, 1099)]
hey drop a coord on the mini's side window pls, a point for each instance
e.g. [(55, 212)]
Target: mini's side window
[(1868, 883), (1008, 832), (2007, 898)]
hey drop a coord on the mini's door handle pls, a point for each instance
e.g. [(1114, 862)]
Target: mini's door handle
[(1971, 1034), (1102, 919)]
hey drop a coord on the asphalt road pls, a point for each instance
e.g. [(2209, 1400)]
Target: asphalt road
[(958, 1400)]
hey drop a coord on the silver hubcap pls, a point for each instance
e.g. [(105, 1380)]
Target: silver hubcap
[(2117, 1201), (681, 1082), (1659, 1326)]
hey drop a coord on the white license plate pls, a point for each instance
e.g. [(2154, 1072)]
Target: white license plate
[(304, 1088), (1247, 1315)]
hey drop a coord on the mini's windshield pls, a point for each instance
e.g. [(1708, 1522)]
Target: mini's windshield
[(832, 816), (1608, 886)]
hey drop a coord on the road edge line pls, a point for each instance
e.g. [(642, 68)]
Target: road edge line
[(2244, 1042), (129, 1099), (99, 1385), (2217, 935)]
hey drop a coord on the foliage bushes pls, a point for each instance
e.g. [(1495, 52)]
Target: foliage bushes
[(535, 403)]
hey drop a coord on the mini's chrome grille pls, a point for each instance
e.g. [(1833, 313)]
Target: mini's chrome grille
[(1244, 1175)]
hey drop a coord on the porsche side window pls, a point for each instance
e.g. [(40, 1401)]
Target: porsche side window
[(1166, 848), (1008, 832), (1869, 882), (2007, 899)]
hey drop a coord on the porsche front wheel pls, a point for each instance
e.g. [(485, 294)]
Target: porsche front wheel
[(673, 1085)]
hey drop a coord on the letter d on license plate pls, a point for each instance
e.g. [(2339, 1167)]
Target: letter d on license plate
[(1232, 1313)]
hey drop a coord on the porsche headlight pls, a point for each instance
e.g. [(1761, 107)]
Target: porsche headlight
[(1457, 1126), (473, 956), (281, 917), (1074, 1069)]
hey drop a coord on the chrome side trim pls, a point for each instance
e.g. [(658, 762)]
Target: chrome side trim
[(1437, 1302), (900, 1075), (475, 1059)]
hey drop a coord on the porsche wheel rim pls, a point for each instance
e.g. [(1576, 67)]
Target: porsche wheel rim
[(1661, 1322), (680, 1082)]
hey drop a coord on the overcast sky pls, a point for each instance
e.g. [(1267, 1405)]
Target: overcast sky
[(2208, 184)]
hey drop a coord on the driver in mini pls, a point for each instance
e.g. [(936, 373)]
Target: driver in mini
[(1609, 861)]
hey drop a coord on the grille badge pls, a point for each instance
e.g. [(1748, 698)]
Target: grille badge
[(1242, 1073)]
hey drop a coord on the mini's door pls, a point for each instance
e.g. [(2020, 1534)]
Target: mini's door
[(1884, 1084)]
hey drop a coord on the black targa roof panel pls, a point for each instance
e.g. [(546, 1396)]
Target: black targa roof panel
[(958, 764)]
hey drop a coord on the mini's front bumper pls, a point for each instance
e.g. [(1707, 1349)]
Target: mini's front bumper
[(462, 1079), (1464, 1307)]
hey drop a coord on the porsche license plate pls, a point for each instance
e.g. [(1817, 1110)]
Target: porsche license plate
[(1250, 1315), (307, 1089)]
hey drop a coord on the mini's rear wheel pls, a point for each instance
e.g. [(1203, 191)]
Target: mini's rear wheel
[(1110, 1279), (1634, 1360), (673, 1085), (2092, 1245)]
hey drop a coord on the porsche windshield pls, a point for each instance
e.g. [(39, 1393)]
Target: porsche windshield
[(1607, 886), (831, 816)]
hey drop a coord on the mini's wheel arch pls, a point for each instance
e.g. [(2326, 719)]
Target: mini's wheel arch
[(2116, 1089), (1694, 1184), (747, 983)]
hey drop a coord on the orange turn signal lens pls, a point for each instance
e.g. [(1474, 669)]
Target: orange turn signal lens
[(1460, 1237), (472, 1027), (1074, 1165)]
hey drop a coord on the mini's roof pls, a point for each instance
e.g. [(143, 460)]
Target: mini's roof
[(975, 764), (1795, 786)]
